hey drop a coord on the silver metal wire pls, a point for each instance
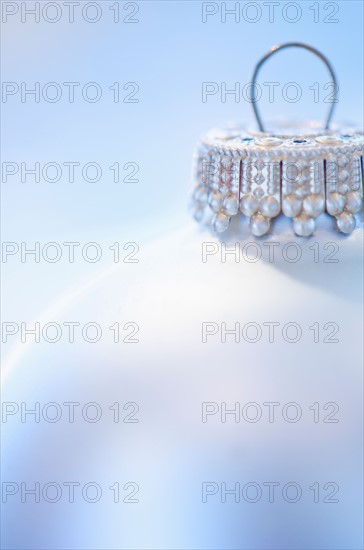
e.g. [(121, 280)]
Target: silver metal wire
[(274, 50)]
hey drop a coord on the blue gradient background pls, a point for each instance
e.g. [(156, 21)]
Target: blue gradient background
[(169, 53)]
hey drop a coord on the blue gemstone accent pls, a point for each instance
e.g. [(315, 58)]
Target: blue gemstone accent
[(247, 139), (300, 141), (346, 136)]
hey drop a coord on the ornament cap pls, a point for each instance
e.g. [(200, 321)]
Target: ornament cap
[(298, 169)]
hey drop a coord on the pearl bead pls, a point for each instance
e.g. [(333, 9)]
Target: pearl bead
[(300, 191), (346, 222), (342, 162), (303, 225), (198, 212), (225, 176), (269, 142), (354, 202), (335, 204), (313, 205), (249, 205), (200, 194), (343, 175), (215, 201), (269, 206), (344, 188), (291, 206), (231, 205), (259, 225), (220, 222)]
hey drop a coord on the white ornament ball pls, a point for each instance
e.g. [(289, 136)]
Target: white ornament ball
[(303, 225), (353, 202), (346, 222), (335, 204), (313, 205), (249, 205), (215, 201), (231, 205), (259, 225), (269, 206), (291, 206), (220, 222), (174, 286)]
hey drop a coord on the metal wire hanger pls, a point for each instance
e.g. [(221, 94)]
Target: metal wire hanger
[(276, 49)]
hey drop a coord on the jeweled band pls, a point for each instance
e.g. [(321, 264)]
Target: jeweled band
[(262, 176)]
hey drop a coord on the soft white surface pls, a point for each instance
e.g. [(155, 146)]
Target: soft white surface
[(169, 293)]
